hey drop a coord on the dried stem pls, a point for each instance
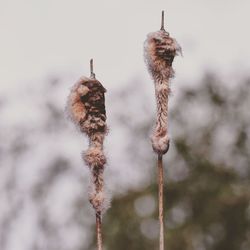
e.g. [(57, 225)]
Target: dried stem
[(92, 74), (160, 200), (99, 231), (162, 20)]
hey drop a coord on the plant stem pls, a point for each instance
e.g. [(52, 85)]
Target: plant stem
[(99, 230), (92, 74), (160, 199), (162, 20)]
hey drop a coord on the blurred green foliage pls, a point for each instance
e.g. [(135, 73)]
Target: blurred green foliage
[(207, 170)]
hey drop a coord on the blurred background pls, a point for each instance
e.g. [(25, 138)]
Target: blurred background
[(45, 47)]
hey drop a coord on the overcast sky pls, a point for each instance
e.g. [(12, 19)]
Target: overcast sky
[(42, 38)]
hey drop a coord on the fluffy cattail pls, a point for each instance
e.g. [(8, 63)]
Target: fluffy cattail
[(159, 51), (86, 108)]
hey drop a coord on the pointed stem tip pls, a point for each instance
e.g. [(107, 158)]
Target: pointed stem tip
[(92, 74), (162, 20)]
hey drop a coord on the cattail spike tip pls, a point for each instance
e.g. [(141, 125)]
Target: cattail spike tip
[(162, 20), (92, 74)]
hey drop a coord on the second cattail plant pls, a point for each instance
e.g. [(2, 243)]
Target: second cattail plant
[(86, 108), (160, 50)]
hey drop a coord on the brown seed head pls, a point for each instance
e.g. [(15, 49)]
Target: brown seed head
[(160, 50)]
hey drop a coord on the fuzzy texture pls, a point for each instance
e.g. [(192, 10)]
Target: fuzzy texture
[(86, 108), (159, 52)]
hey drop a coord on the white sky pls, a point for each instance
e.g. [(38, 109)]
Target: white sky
[(46, 37)]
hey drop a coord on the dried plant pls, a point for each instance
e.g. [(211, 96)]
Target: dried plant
[(86, 108), (159, 51)]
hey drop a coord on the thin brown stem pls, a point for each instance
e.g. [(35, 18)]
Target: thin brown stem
[(92, 74), (162, 20), (99, 230), (160, 199), (162, 23)]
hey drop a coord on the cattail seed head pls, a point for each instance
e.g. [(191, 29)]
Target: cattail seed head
[(159, 52), (86, 108)]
